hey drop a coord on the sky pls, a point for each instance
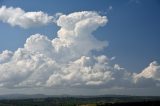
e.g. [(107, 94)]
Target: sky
[(82, 47)]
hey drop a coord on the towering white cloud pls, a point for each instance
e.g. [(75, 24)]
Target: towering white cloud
[(18, 17), (45, 62), (75, 34), (68, 60)]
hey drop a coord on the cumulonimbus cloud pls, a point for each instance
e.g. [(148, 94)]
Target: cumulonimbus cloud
[(18, 17), (68, 60)]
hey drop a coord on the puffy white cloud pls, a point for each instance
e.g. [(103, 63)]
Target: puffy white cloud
[(18, 17), (85, 71), (149, 76), (68, 60), (26, 68), (76, 32), (61, 61), (152, 71), (5, 56), (39, 43)]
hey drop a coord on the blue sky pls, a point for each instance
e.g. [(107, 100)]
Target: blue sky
[(132, 31)]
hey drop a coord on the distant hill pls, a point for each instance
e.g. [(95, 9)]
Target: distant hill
[(37, 96), (22, 96), (32, 96)]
